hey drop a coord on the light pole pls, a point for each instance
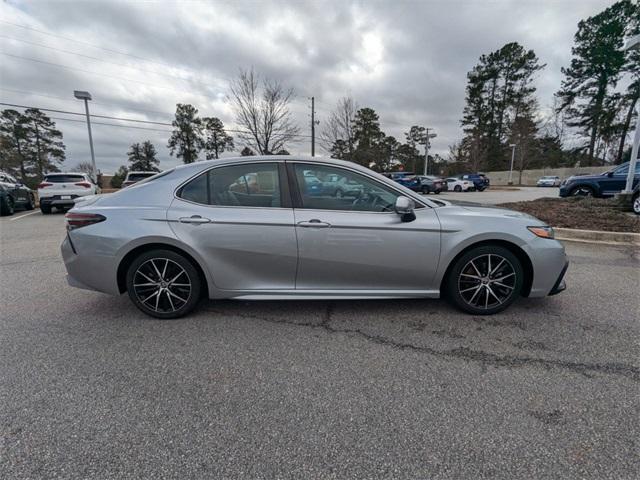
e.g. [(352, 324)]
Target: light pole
[(86, 96), (633, 44), (426, 150), (513, 156)]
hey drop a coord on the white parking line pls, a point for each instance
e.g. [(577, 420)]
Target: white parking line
[(22, 216)]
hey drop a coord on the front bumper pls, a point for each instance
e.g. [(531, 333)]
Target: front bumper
[(560, 284)]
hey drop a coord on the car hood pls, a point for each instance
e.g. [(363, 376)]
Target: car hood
[(585, 177), (481, 212)]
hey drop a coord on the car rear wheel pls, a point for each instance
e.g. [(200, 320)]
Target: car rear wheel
[(31, 203), (6, 206), (163, 284), (582, 191), (457, 188), (636, 204), (485, 280)]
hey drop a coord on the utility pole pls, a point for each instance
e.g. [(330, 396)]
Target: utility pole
[(313, 126), (86, 96), (426, 149), (513, 156)]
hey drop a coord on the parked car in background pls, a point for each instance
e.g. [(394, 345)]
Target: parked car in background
[(135, 177), (14, 194), (60, 189), (185, 235), (458, 185), (406, 179), (480, 180), (431, 184), (605, 184), (340, 186), (549, 181)]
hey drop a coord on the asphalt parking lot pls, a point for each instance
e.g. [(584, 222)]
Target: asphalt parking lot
[(91, 388)]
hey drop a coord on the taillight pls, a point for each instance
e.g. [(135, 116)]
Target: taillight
[(84, 184), (78, 220), (44, 184)]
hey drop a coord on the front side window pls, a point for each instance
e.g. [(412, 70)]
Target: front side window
[(319, 190), (246, 185)]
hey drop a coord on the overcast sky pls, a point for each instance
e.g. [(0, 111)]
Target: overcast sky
[(406, 59)]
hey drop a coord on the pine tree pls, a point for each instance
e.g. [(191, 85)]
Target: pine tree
[(46, 149), (216, 139), (14, 137), (594, 70), (186, 140)]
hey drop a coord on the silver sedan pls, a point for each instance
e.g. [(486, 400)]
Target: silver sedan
[(257, 228)]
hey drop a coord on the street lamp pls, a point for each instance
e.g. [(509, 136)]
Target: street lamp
[(513, 156), (426, 150), (86, 96), (633, 44)]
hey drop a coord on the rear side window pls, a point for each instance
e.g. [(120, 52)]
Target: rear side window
[(246, 185), (64, 178), (139, 176)]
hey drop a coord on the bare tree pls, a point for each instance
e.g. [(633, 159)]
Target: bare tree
[(84, 167), (339, 128), (262, 108)]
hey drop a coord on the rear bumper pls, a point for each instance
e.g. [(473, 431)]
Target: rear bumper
[(57, 201), (89, 271)]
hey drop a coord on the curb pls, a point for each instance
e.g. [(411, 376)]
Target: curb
[(597, 236)]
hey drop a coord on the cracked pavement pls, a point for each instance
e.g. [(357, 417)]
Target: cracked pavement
[(91, 388)]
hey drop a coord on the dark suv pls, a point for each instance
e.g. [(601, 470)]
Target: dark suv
[(480, 180), (14, 194), (605, 184)]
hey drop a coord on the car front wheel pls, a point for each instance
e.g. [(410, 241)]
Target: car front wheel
[(163, 284), (457, 188), (636, 204), (582, 191), (485, 280)]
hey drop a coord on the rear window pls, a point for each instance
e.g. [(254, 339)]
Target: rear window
[(139, 176), (64, 178)]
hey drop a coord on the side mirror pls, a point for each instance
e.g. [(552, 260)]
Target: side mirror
[(404, 207)]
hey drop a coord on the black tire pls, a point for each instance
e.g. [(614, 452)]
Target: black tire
[(437, 192), (425, 190), (170, 302), (469, 294), (31, 204), (7, 206), (45, 209), (582, 191), (635, 203), (457, 188)]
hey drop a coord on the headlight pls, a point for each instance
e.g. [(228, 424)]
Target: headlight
[(542, 232)]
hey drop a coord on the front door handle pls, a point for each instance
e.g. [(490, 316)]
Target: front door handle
[(195, 219), (314, 223)]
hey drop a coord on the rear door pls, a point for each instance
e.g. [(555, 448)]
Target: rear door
[(240, 221)]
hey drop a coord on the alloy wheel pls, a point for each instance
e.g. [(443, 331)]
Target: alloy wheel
[(487, 281), (636, 205), (582, 192), (162, 285)]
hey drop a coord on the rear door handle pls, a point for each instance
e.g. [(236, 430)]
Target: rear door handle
[(314, 223), (195, 219)]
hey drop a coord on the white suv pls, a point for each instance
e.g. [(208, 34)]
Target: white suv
[(60, 189)]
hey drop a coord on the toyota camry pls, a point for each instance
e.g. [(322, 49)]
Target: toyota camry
[(254, 228)]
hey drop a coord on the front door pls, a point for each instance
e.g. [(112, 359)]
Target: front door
[(238, 218), (357, 241)]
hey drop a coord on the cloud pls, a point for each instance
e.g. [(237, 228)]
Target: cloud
[(407, 60)]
